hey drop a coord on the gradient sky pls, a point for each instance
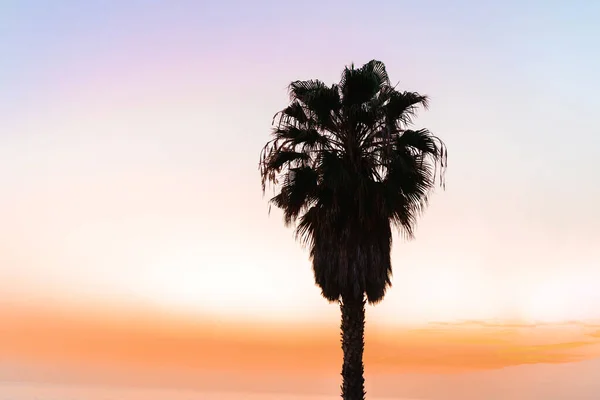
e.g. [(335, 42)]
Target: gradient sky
[(129, 141)]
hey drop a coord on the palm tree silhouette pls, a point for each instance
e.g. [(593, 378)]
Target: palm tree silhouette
[(346, 169)]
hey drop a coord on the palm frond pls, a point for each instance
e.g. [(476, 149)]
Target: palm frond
[(300, 136), (409, 181), (429, 147), (420, 140), (282, 157), (319, 100), (297, 192), (292, 115), (402, 106), (360, 85)]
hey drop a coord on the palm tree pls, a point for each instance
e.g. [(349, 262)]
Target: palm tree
[(346, 169)]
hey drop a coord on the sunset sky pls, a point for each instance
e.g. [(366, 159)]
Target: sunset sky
[(134, 233)]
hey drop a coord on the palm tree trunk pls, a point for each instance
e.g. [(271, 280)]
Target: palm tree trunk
[(353, 345)]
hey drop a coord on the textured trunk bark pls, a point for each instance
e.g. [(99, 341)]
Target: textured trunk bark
[(353, 344)]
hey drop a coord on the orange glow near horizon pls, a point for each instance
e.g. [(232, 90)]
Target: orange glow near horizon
[(147, 341)]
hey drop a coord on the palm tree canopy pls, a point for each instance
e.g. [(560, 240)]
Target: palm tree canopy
[(346, 170)]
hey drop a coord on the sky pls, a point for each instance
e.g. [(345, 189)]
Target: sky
[(130, 134)]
